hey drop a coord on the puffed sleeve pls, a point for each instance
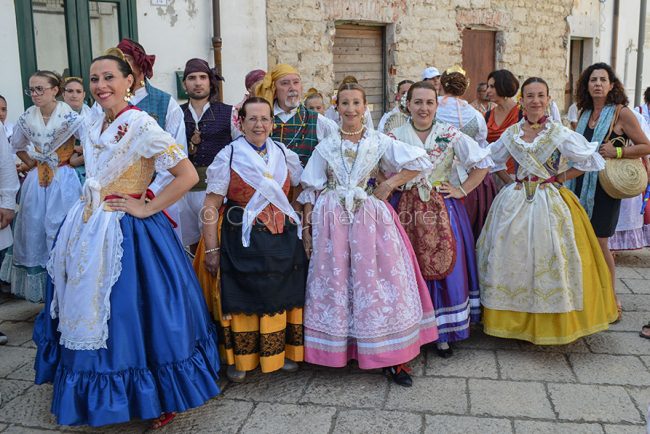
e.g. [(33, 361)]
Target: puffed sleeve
[(581, 153), (481, 136), (313, 179), (325, 127), (158, 144), (499, 154), (402, 156), (470, 154), (19, 140), (218, 173)]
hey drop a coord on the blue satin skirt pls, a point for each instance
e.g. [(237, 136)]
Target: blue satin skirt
[(162, 347)]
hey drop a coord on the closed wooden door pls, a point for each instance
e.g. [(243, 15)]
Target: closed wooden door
[(478, 58), (359, 51)]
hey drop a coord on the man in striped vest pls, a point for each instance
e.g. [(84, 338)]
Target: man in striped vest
[(294, 125)]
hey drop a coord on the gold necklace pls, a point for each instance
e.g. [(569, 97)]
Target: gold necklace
[(352, 133)]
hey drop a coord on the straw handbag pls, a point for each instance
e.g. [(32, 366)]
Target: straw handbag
[(622, 178)]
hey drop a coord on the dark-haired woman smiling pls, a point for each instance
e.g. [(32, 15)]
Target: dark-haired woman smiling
[(543, 276), (125, 332)]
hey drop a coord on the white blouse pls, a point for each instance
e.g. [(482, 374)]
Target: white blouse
[(582, 153), (395, 157)]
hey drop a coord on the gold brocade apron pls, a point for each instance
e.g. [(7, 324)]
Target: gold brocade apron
[(45, 172)]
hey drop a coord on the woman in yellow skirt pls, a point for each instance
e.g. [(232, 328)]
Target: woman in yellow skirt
[(543, 276), (251, 263)]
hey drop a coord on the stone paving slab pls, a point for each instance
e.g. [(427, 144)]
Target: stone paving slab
[(19, 332), (509, 398), (25, 372), (464, 363), (347, 390), (619, 343), (635, 302), (480, 341), (535, 427), (437, 424), (624, 429), (637, 286), (641, 396), (9, 389), (579, 346), (610, 369), (19, 310), (628, 273), (217, 416), (631, 322), (622, 287), (14, 357), (518, 365), (377, 422), (584, 403), (429, 394), (289, 419), (273, 387)]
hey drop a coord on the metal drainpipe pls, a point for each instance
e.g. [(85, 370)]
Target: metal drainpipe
[(639, 54), (216, 45), (615, 34)]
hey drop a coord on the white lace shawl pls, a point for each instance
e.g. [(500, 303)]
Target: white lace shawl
[(41, 140), (267, 178), (86, 260), (375, 149)]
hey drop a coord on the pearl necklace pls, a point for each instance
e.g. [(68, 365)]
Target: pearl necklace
[(351, 133)]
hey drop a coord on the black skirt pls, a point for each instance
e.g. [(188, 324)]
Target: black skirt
[(267, 277), (604, 217)]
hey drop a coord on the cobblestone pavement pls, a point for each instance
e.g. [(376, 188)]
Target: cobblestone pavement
[(599, 384)]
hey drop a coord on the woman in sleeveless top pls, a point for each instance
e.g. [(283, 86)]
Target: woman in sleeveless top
[(502, 87), (543, 275), (457, 112), (251, 262), (602, 101), (43, 139), (125, 333)]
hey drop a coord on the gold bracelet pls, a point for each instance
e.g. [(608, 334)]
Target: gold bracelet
[(216, 249)]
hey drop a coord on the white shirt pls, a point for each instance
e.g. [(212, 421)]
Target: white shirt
[(234, 132)]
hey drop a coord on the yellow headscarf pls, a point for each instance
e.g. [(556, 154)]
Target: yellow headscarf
[(266, 89)]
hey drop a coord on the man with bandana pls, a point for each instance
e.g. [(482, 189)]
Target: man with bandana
[(208, 131), (158, 104), (298, 128)]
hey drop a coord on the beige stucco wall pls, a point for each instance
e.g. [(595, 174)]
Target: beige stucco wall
[(531, 39)]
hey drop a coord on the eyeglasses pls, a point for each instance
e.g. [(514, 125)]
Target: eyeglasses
[(38, 90), (263, 121)]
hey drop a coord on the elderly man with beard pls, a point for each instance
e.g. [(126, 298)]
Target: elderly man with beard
[(208, 130), (294, 125)]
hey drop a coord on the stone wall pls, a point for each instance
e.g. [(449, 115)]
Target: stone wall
[(532, 35)]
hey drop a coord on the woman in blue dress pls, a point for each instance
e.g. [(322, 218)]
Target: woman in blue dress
[(125, 332)]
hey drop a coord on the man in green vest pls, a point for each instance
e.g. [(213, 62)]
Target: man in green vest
[(294, 125)]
